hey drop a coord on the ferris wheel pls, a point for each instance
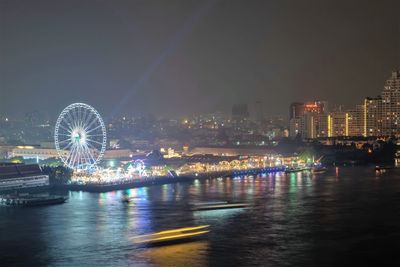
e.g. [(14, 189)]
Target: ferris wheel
[(80, 136)]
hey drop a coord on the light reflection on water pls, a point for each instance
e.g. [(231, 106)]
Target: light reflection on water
[(177, 254), (295, 218)]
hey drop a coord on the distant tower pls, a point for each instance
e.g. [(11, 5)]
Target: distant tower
[(259, 111), (296, 109), (240, 112)]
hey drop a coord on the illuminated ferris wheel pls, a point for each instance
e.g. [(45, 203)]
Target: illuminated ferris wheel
[(80, 136)]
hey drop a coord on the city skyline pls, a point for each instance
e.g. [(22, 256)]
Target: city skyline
[(374, 116), (162, 62), (252, 110), (199, 132)]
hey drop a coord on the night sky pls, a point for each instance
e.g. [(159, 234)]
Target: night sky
[(183, 57)]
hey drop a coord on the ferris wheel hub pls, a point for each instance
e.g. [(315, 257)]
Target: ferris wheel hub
[(78, 136)]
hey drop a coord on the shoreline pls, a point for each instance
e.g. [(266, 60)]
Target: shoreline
[(101, 188)]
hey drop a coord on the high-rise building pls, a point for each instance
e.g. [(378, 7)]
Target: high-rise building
[(310, 119), (338, 124), (356, 121), (316, 107), (372, 121), (296, 110), (379, 116), (321, 125), (240, 112), (391, 105), (295, 126), (308, 129)]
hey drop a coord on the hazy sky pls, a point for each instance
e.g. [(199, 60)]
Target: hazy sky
[(180, 57)]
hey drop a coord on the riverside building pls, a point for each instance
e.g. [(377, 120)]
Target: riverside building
[(21, 176), (375, 117)]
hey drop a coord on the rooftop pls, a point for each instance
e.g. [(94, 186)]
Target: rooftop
[(19, 170)]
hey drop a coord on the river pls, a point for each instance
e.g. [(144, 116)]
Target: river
[(349, 215)]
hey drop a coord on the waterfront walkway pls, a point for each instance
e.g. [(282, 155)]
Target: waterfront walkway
[(149, 181)]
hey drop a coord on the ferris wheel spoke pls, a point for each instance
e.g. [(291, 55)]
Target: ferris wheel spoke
[(66, 129), (76, 162), (80, 154), (92, 122), (68, 116), (85, 156), (73, 113), (79, 114), (89, 117), (91, 146), (69, 119), (95, 119), (94, 129), (93, 156), (94, 141), (63, 141), (83, 118), (67, 146), (70, 156), (68, 135), (89, 155), (76, 116), (90, 135), (75, 157)]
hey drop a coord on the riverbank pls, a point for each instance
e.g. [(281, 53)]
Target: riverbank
[(100, 188)]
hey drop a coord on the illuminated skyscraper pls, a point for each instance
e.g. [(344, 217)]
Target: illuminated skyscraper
[(316, 107), (295, 127), (379, 116), (338, 124), (296, 110), (355, 121), (391, 105), (310, 119), (372, 120)]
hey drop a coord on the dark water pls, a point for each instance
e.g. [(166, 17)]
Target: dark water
[(352, 217)]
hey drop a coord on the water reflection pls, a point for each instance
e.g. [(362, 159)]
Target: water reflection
[(178, 255), (289, 215)]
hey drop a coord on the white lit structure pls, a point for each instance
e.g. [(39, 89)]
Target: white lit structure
[(35, 152), (80, 136)]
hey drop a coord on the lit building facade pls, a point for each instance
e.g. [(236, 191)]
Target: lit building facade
[(295, 127), (19, 176), (355, 121), (375, 117), (338, 124), (310, 119), (391, 105), (372, 121), (34, 152)]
